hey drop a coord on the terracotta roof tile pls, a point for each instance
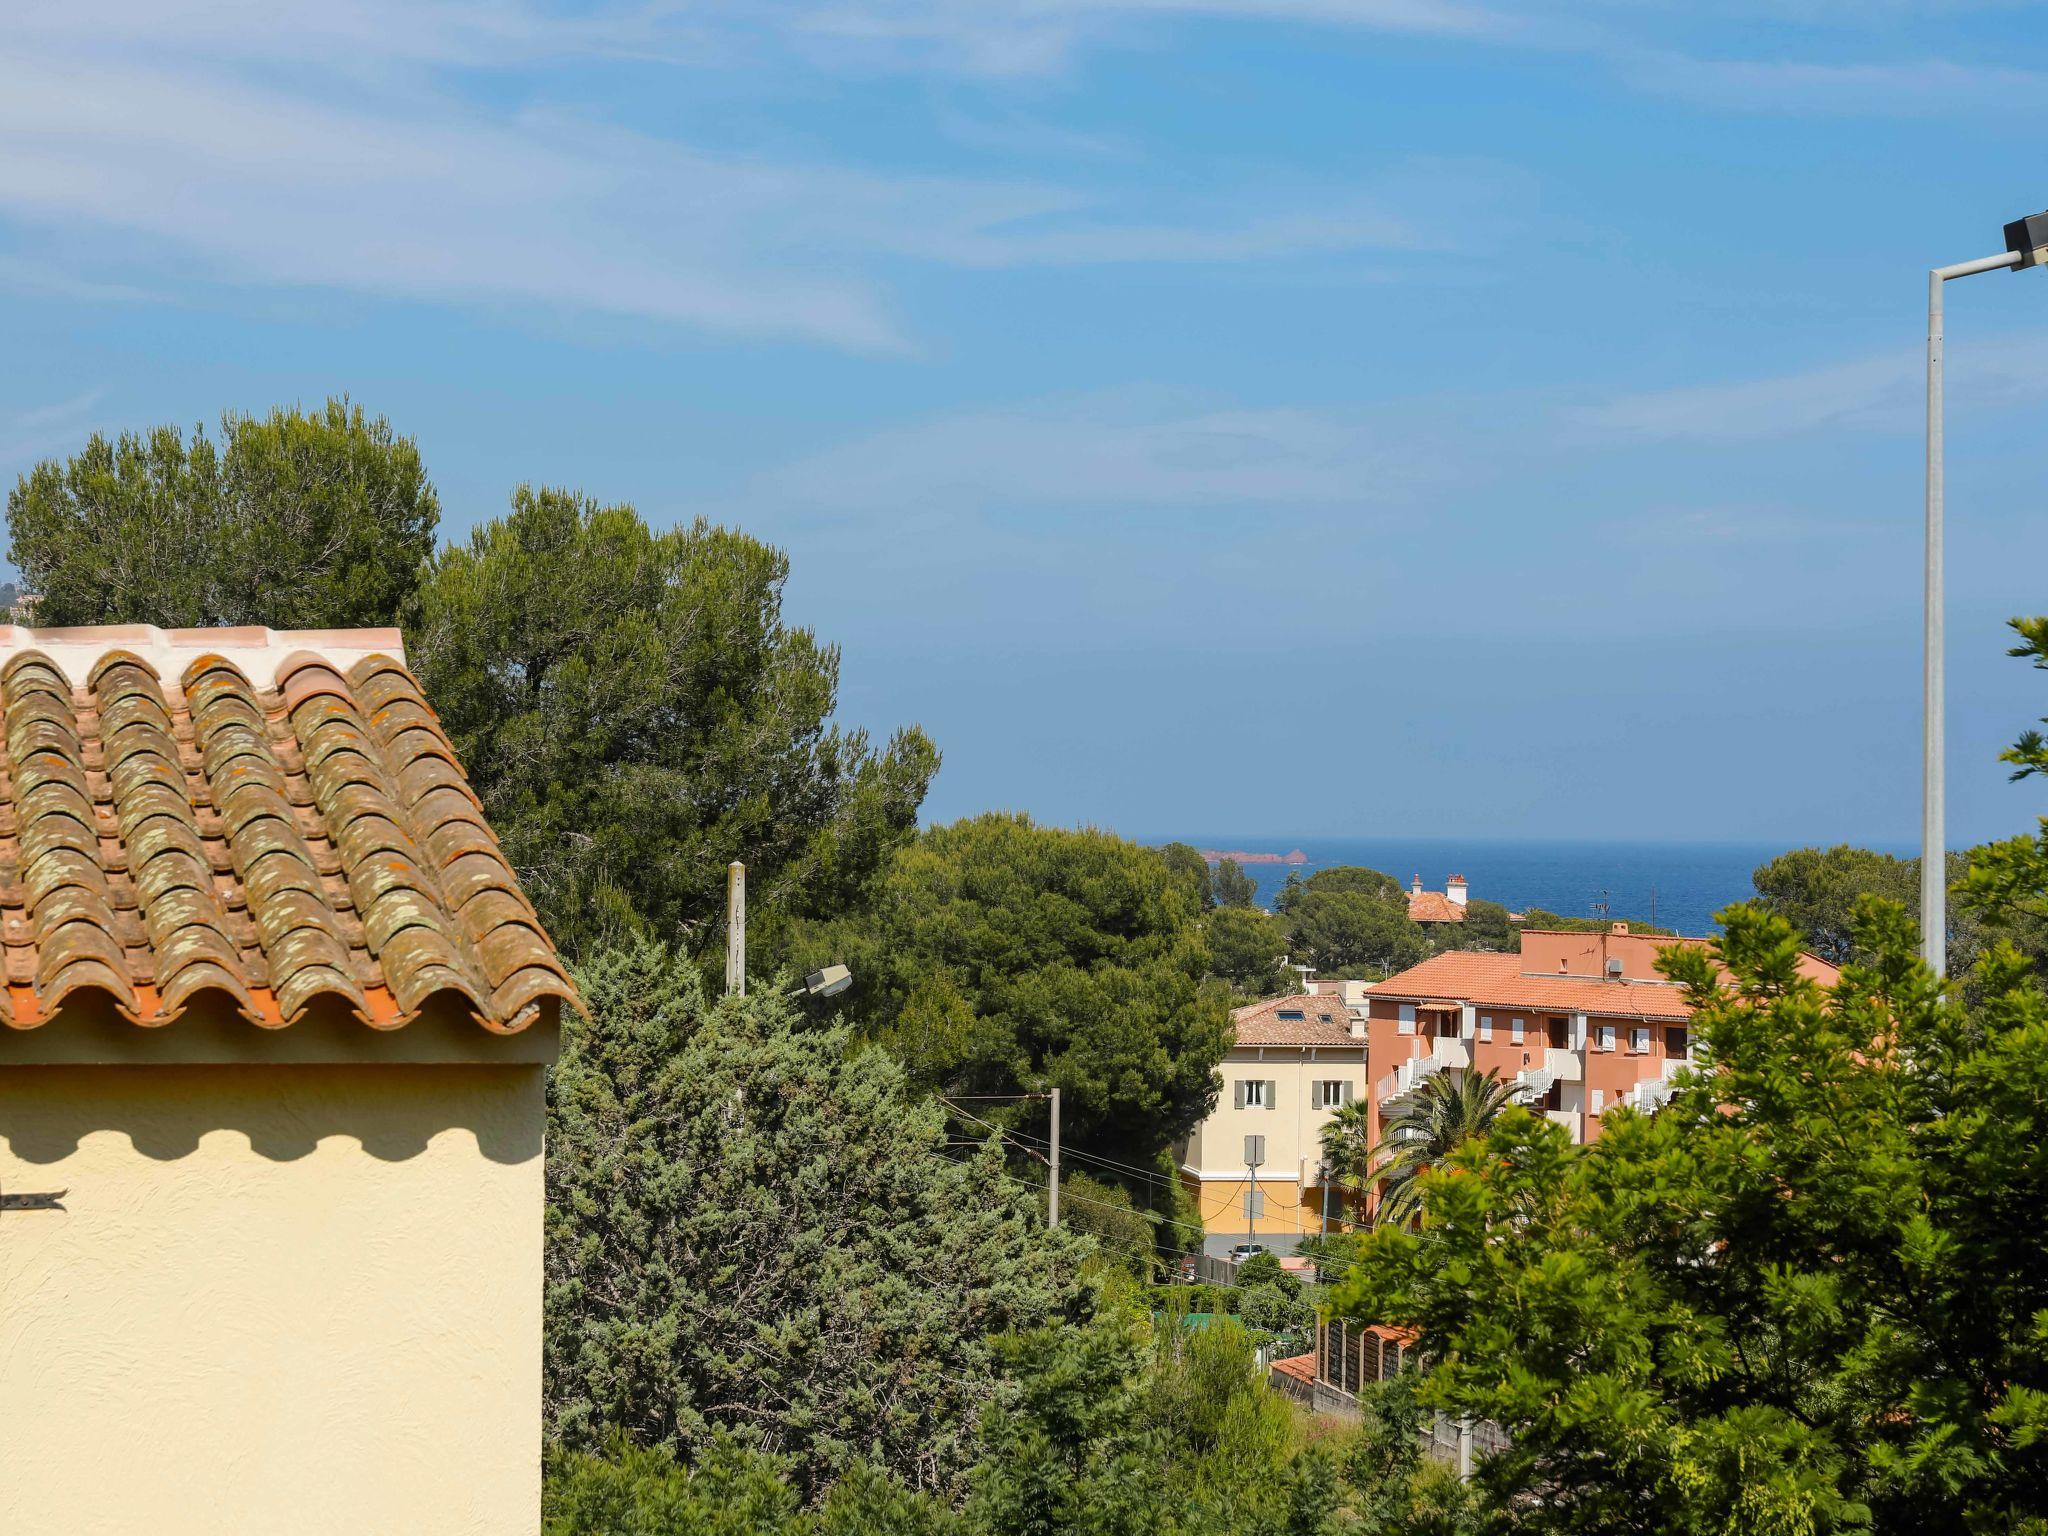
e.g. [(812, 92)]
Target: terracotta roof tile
[(278, 821), (1433, 907), (1319, 1020), (1499, 981), (1301, 1367)]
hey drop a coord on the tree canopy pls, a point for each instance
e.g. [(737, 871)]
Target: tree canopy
[(1348, 932), (756, 1232), (1247, 948), (1232, 886), (1799, 1298), (635, 714), (298, 520), (998, 955)]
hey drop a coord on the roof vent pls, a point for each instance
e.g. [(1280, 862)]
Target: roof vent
[(1614, 966)]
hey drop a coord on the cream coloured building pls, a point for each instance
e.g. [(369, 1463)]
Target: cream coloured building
[(1292, 1062), (272, 1039)]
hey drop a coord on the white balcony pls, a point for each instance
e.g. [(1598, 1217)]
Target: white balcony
[(1451, 1055), (1568, 1118), (1648, 1096), (1563, 1066), (1408, 1076)]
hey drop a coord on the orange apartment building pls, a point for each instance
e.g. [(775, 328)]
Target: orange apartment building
[(1582, 1022)]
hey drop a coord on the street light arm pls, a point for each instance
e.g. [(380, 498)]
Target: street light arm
[(1981, 264)]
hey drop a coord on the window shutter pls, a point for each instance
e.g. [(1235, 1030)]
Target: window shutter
[(1238, 1093), (1272, 1094)]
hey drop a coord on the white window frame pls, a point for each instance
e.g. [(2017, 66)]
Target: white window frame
[(1639, 1039), (1486, 1026), (1255, 1093), (1331, 1092), (1599, 1101), (1407, 1019), (1518, 1032), (1606, 1037)]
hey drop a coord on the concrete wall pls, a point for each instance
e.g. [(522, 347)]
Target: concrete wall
[(283, 1300)]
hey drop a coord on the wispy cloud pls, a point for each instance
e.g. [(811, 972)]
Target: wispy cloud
[(1100, 454), (1884, 392), (405, 186), (1788, 87), (46, 428), (52, 278)]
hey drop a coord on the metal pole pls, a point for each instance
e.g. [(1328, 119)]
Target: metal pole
[(735, 929), (1933, 767), (1052, 1196), (1934, 752), (1251, 1197)]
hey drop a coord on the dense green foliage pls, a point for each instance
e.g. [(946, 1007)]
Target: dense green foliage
[(1486, 929), (1123, 1231), (1348, 921), (1231, 886), (298, 520), (1993, 895), (1248, 949), (753, 1230), (728, 1491), (999, 956), (635, 714), (1802, 1297)]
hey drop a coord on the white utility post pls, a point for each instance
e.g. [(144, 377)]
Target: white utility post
[(1052, 1194), (736, 929), (1254, 1154), (2026, 246)]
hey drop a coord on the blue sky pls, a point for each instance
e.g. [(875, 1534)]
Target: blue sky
[(1377, 417)]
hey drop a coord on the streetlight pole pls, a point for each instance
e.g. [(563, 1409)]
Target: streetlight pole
[(2026, 246)]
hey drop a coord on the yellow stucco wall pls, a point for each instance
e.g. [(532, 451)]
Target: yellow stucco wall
[(1290, 1210), (281, 1300)]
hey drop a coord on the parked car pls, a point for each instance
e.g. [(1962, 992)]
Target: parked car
[(1244, 1251)]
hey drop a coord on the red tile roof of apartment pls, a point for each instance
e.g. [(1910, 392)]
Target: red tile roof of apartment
[(1319, 1020), (1433, 907), (1499, 981), (274, 818)]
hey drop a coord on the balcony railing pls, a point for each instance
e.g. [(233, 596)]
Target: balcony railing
[(1409, 1075)]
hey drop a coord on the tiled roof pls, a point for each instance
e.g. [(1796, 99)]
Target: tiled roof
[(277, 818), (1323, 1020), (1433, 907), (1301, 1367), (1498, 981)]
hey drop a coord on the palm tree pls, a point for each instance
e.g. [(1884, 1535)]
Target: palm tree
[(1425, 1129), (1347, 1145)]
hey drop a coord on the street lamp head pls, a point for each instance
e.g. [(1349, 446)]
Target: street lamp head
[(830, 982), (2028, 239)]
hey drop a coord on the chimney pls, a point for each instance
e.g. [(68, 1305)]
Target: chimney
[(1619, 930), (1454, 889)]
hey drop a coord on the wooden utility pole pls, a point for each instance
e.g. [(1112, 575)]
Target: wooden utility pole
[(736, 929), (1052, 1197)]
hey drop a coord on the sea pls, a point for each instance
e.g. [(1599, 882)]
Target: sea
[(1675, 885)]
